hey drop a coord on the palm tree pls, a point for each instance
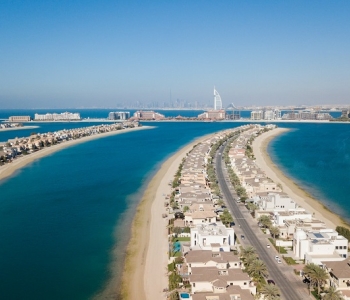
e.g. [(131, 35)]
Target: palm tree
[(265, 221), (274, 230), (257, 269), (316, 274), (333, 294), (270, 292), (247, 251), (248, 260)]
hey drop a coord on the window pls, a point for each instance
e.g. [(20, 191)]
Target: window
[(245, 283), (336, 247), (194, 284)]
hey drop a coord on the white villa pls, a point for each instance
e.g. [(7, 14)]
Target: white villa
[(207, 236), (318, 246)]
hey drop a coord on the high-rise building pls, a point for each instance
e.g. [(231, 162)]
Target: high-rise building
[(119, 115), (256, 115), (217, 100)]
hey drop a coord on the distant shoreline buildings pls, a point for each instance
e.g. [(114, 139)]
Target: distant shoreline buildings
[(119, 115), (19, 119), (66, 116), (148, 115)]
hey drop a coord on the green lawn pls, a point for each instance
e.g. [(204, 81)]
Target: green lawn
[(281, 250), (289, 260), (183, 239), (314, 293)]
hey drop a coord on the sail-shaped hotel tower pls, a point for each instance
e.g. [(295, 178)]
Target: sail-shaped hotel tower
[(217, 100)]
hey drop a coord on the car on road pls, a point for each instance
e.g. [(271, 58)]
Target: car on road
[(279, 261), (270, 281), (242, 237), (268, 246), (277, 257)]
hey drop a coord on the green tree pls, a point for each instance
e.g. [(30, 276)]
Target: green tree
[(220, 202), (257, 269), (274, 230), (226, 217), (270, 292), (248, 251), (316, 275), (187, 230), (333, 294), (177, 230), (265, 221), (186, 208)]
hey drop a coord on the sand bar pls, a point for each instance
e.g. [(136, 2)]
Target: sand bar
[(9, 168), (18, 128), (301, 197), (145, 270)]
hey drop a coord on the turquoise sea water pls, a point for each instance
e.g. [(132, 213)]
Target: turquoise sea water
[(317, 157), (61, 216)]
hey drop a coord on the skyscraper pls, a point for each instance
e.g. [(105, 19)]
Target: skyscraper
[(217, 100)]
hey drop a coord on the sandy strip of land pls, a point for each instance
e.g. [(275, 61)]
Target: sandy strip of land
[(18, 128), (145, 270), (301, 197), (10, 168)]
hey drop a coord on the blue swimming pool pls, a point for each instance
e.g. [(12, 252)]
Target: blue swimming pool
[(184, 296)]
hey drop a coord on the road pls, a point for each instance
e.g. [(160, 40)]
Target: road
[(290, 285)]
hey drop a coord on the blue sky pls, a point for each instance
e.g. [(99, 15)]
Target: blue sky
[(98, 53)]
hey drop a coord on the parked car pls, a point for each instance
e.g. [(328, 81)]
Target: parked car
[(277, 257), (279, 261), (268, 246), (270, 281), (242, 237), (306, 280)]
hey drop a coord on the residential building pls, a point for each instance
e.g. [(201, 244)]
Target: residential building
[(322, 245), (257, 115), (206, 236), (66, 116), (19, 119), (119, 115)]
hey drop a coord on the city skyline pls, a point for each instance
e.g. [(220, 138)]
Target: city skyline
[(100, 54)]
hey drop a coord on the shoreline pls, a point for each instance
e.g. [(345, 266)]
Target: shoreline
[(8, 169), (18, 128), (147, 250), (301, 197)]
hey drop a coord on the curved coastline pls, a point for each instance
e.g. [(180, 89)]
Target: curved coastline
[(8, 169), (303, 198), (145, 268)]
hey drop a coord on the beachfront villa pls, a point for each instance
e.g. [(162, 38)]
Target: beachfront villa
[(318, 246), (231, 292), (280, 217), (274, 201), (212, 258), (215, 280), (205, 236), (339, 274), (200, 217)]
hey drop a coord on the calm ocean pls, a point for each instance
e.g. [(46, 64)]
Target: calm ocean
[(61, 216)]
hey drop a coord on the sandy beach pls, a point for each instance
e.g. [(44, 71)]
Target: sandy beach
[(264, 161), (145, 270), (18, 128), (10, 168)]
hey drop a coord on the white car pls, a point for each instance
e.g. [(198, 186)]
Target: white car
[(276, 257), (279, 261), (268, 246)]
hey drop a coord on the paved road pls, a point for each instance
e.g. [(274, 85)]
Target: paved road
[(290, 285)]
